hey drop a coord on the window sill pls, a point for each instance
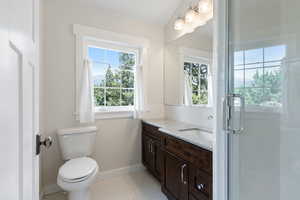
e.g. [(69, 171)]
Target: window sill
[(202, 105), (113, 114)]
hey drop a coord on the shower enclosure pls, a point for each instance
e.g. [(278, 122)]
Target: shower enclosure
[(262, 99)]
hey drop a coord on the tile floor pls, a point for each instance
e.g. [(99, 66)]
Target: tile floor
[(134, 186)]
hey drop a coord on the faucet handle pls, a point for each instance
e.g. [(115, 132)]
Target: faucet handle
[(210, 117)]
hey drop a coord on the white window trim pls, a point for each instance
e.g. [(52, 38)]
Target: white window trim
[(83, 37), (195, 55)]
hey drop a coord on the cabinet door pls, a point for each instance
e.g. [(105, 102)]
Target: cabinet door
[(200, 184), (148, 155), (158, 159), (175, 183)]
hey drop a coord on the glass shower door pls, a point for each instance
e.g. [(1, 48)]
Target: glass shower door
[(264, 69)]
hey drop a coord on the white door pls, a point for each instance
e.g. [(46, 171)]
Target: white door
[(264, 68), (19, 165)]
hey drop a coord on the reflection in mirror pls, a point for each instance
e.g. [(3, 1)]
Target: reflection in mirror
[(188, 68)]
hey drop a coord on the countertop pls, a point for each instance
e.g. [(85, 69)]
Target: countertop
[(203, 138)]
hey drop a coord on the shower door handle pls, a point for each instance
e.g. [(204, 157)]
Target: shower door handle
[(229, 113)]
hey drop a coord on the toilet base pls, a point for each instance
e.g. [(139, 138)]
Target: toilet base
[(79, 195)]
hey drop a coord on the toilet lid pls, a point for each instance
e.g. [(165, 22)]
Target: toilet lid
[(77, 168)]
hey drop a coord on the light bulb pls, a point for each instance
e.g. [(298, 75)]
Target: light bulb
[(205, 6), (190, 15), (179, 24)]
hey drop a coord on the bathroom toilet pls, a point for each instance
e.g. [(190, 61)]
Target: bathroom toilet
[(79, 171)]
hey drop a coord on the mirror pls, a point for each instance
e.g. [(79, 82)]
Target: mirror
[(188, 73)]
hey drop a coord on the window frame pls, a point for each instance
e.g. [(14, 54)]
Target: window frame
[(84, 34)]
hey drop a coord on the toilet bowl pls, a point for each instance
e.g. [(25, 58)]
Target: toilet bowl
[(79, 171), (76, 177)]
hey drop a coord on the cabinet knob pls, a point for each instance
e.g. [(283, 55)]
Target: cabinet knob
[(200, 186)]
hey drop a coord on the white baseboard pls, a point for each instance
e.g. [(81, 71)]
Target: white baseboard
[(120, 171), (102, 175)]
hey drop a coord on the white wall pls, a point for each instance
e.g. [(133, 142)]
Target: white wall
[(190, 114), (118, 140)]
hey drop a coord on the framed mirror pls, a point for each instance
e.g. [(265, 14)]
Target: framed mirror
[(188, 68)]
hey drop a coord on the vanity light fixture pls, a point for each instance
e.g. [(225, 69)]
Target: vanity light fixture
[(190, 15), (179, 24), (205, 6), (196, 16)]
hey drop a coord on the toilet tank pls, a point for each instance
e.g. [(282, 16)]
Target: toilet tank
[(77, 142)]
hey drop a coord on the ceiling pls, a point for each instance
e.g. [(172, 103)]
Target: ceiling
[(152, 11)]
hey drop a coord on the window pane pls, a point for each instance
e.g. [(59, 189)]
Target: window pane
[(240, 91), (275, 53), (203, 84), (187, 67), (203, 98), (203, 71), (253, 56), (113, 77), (254, 96), (272, 96), (254, 78), (195, 69), (272, 77), (127, 78), (96, 54), (127, 61), (113, 97), (195, 82), (99, 96), (196, 97), (98, 71), (127, 97), (238, 58), (238, 78)]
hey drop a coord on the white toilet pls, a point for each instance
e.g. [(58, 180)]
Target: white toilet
[(79, 171)]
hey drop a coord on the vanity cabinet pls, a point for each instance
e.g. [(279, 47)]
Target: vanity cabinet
[(151, 150), (175, 177), (184, 170), (200, 184), (148, 157)]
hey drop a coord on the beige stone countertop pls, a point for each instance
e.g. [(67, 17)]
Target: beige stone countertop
[(190, 133)]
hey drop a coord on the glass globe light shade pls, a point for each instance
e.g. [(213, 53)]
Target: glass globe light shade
[(205, 6), (179, 24), (190, 15)]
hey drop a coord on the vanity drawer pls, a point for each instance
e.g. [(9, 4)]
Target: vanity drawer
[(200, 184), (199, 157), (151, 130)]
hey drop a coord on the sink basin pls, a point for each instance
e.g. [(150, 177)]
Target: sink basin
[(189, 129)]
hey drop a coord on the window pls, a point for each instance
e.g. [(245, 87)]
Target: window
[(119, 63), (199, 80), (257, 75), (113, 72)]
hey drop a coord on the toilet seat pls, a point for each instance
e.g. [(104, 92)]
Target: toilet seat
[(77, 170)]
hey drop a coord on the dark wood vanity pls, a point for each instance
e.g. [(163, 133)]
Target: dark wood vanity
[(183, 169)]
